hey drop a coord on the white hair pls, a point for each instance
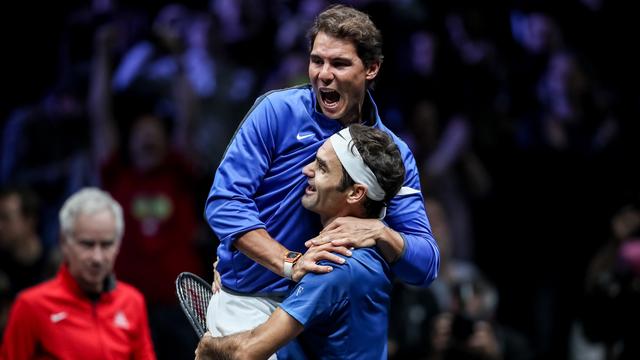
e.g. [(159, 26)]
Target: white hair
[(89, 201)]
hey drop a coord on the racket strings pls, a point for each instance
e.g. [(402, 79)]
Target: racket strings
[(194, 295), (199, 299)]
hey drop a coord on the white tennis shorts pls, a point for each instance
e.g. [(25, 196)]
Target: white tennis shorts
[(229, 314)]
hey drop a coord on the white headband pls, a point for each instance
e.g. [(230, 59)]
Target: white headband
[(352, 162)]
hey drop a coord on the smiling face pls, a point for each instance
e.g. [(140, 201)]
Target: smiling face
[(324, 174), (92, 249), (339, 77)]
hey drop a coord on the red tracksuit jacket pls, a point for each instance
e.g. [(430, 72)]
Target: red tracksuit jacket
[(56, 320)]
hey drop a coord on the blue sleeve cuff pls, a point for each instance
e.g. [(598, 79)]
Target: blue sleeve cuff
[(419, 262)]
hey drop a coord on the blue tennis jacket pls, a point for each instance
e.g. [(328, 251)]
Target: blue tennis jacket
[(259, 184)]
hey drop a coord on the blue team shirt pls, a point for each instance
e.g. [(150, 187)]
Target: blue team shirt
[(259, 184), (344, 312)]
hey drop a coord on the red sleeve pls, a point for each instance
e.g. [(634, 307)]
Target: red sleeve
[(20, 336), (143, 349)]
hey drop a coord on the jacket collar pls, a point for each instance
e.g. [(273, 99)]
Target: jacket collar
[(70, 283)]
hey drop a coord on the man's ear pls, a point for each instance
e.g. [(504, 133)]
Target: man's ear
[(372, 70), (357, 193)]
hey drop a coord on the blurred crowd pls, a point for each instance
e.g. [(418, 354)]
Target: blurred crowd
[(522, 116)]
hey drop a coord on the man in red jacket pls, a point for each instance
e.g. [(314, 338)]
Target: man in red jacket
[(83, 313)]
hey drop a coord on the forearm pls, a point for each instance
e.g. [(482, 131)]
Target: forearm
[(263, 249), (258, 343), (100, 101), (186, 109), (390, 243), (220, 348)]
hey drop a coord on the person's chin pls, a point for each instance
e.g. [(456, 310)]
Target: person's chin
[(93, 280), (307, 202), (95, 277), (304, 203), (333, 114)]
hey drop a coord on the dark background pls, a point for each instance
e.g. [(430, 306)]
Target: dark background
[(543, 211)]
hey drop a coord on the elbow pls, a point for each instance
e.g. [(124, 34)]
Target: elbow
[(420, 263), (214, 213), (433, 265), (429, 272), (433, 272)]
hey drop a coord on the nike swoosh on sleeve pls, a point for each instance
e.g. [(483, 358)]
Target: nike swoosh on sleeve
[(301, 137)]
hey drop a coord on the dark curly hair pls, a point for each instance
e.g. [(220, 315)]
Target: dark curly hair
[(344, 22), (382, 156)]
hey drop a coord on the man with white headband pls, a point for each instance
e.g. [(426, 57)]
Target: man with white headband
[(342, 314)]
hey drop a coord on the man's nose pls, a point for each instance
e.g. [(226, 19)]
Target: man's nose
[(307, 170), (326, 73), (97, 253)]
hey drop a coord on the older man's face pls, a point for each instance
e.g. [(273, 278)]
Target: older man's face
[(92, 249)]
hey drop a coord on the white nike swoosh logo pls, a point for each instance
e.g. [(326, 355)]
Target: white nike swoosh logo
[(300, 137), (57, 317)]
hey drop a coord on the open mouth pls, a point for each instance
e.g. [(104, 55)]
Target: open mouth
[(310, 189), (329, 97)]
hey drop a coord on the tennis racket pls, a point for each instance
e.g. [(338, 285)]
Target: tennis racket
[(194, 294)]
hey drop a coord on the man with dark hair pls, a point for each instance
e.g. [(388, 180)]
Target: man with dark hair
[(355, 173), (373, 146), (254, 207)]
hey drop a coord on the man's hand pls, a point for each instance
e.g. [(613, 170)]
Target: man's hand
[(352, 232), (217, 283), (308, 261)]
